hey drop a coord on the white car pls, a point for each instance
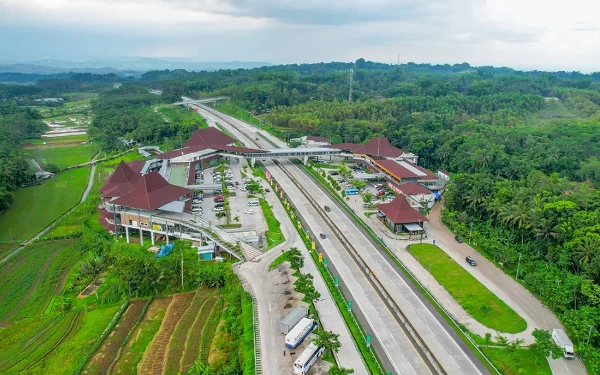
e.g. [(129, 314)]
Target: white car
[(218, 209), (249, 212)]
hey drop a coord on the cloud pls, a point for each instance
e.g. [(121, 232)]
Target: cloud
[(531, 33)]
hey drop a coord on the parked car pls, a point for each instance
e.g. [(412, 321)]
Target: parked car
[(267, 190), (366, 204), (219, 204), (322, 235), (471, 261), (458, 239), (380, 194), (327, 209), (237, 183), (249, 212), (218, 209)]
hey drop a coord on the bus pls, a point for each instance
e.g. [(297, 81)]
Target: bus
[(309, 356), (351, 191), (299, 332)]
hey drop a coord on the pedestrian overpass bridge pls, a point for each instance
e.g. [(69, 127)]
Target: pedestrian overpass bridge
[(285, 153)]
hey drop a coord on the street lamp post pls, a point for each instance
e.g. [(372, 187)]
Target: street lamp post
[(429, 266), (471, 233), (588, 340), (519, 266)]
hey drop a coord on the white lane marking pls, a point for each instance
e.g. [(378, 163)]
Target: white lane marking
[(269, 306), (393, 337), (430, 330), (565, 363), (261, 280), (454, 360), (413, 370)]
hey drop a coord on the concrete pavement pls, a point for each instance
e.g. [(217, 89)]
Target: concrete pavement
[(331, 319)]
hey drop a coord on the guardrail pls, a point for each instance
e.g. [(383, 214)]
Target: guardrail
[(255, 325)]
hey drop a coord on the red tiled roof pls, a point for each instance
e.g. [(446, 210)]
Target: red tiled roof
[(395, 169), (430, 175), (410, 188), (104, 213), (314, 138), (106, 225), (379, 146), (208, 137), (136, 165), (121, 181), (399, 211), (151, 192)]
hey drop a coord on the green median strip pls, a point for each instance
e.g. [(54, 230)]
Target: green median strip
[(477, 300)]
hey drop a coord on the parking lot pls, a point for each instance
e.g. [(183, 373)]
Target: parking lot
[(250, 218)]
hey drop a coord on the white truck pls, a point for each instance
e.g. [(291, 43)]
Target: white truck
[(561, 339), (299, 332)]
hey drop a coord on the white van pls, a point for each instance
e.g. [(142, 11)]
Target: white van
[(253, 203)]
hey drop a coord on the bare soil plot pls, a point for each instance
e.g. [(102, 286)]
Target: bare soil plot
[(107, 353), (155, 356)]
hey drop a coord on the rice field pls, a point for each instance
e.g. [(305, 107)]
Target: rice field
[(35, 207)]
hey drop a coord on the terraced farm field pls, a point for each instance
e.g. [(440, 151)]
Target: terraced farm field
[(25, 346), (30, 279), (106, 356), (7, 247), (133, 351), (35, 207), (185, 341)]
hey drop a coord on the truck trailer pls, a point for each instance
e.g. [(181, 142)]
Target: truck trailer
[(561, 339), (292, 319), (299, 332)]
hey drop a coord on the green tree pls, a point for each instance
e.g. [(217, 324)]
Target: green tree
[(544, 344), (295, 258), (327, 340)]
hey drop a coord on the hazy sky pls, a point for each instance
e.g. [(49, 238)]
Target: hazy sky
[(527, 34)]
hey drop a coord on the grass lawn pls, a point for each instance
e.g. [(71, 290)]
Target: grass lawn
[(522, 361), (35, 207), (274, 235), (277, 261), (474, 297), (61, 156), (180, 115)]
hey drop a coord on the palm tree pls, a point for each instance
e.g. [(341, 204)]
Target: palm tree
[(585, 251), (519, 216), (546, 230), (476, 200)]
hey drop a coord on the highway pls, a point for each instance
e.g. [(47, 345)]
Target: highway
[(449, 352)]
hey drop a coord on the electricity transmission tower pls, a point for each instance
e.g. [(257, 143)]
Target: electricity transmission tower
[(350, 93)]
